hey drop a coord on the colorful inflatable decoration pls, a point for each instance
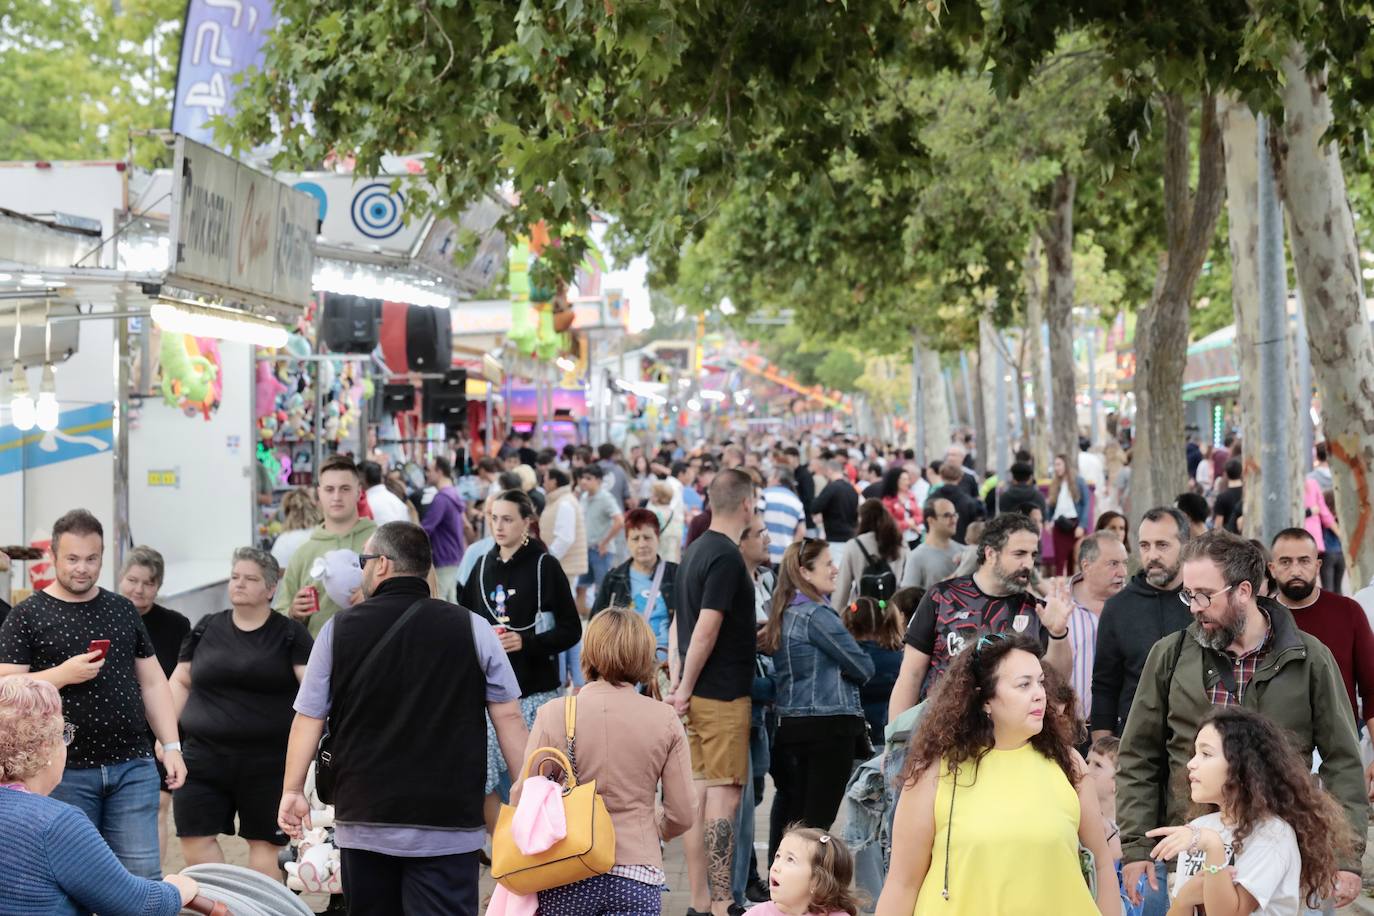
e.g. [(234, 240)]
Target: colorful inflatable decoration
[(190, 373)]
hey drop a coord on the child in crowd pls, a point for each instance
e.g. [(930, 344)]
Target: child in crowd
[(878, 628), (811, 873), (1272, 839), (669, 521), (1102, 762)]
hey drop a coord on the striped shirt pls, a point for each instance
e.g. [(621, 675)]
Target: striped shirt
[(1083, 642), (781, 513)]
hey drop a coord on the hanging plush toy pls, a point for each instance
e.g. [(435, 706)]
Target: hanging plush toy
[(338, 571), (267, 389), (187, 376)]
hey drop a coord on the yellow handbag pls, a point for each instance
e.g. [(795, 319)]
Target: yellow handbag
[(586, 851)]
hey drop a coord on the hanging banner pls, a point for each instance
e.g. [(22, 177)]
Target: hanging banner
[(240, 230), (220, 39)]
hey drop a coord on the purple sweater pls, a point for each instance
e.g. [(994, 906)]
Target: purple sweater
[(444, 522)]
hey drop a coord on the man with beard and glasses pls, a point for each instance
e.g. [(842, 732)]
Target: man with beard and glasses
[(409, 751), (1241, 649), (1141, 614), (111, 696), (1339, 622), (955, 613)]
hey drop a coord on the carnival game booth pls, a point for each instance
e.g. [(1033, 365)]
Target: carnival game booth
[(147, 418)]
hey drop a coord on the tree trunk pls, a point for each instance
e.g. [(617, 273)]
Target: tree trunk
[(936, 408), (1058, 236), (1326, 255), (983, 403), (1239, 136), (1030, 342), (1159, 468)]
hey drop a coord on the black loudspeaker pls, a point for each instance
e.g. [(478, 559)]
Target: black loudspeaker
[(349, 324), (446, 399), (398, 398), (429, 339)]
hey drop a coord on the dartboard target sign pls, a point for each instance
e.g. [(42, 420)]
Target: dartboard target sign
[(377, 211)]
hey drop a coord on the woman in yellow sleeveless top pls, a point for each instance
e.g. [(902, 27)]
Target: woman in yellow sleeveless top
[(995, 799)]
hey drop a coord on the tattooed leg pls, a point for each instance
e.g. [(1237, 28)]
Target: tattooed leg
[(720, 857)]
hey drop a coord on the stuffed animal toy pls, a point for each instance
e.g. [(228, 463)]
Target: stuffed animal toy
[(186, 375), (338, 571), (267, 388)]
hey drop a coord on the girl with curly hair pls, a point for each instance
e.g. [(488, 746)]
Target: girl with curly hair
[(995, 799), (1272, 837)]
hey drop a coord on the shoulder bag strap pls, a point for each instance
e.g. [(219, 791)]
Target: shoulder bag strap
[(375, 651), (570, 728), (653, 589), (868, 557)]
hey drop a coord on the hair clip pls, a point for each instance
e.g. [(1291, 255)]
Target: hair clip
[(854, 608), (882, 605), (825, 838)]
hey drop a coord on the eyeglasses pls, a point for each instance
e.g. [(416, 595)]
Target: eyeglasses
[(1202, 599), (68, 734), (364, 557)]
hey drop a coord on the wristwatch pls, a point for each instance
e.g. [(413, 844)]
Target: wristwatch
[(172, 746)]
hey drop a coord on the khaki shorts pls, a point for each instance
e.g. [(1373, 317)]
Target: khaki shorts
[(718, 737)]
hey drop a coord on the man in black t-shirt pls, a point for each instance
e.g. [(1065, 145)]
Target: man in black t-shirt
[(715, 643), (111, 700), (956, 613), (1230, 501), (837, 505)]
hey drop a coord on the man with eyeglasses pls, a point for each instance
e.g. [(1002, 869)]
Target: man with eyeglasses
[(408, 732), (1240, 649), (938, 556), (1339, 622)]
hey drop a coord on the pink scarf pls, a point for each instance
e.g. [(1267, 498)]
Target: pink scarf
[(538, 824)]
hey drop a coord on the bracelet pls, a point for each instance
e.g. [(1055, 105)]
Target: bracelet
[(1212, 869), (172, 746)]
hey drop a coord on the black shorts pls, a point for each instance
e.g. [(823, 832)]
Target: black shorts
[(221, 784)]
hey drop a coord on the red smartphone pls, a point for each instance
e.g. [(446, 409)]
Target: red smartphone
[(99, 645)]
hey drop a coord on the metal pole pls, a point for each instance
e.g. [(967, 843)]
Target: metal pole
[(121, 443), (918, 422), (968, 395), (1046, 409), (948, 376), (318, 445), (1001, 457), (1273, 343), (1092, 373), (1304, 361)]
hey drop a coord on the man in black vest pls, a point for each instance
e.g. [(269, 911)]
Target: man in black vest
[(409, 746)]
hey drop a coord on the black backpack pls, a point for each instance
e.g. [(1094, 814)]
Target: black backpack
[(877, 581)]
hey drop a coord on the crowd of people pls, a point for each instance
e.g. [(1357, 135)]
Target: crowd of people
[(1032, 679)]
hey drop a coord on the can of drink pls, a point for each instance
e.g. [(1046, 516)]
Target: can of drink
[(314, 598)]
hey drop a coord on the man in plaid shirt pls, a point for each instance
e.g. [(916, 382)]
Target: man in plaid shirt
[(1240, 649)]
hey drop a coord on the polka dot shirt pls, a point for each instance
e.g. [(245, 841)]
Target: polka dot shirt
[(43, 632)]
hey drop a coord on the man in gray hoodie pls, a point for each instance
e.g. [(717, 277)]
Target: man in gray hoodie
[(1141, 614)]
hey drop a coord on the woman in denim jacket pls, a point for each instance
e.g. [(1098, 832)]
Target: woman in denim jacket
[(819, 669)]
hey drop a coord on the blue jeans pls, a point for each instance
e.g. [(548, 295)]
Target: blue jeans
[(598, 564), (744, 818), (570, 662), (121, 801)]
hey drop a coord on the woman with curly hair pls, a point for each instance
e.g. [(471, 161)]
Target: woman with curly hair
[(1272, 837), (995, 800)]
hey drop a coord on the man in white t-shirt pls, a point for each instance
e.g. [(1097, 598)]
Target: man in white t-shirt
[(385, 505), (1091, 468)]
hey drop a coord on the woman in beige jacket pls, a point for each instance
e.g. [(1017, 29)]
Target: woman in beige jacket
[(629, 744)]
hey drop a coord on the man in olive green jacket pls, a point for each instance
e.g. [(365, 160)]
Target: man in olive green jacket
[(338, 489), (1243, 649)]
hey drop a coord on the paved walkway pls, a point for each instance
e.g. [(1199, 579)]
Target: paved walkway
[(677, 900)]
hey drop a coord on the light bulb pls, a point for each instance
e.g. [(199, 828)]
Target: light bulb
[(22, 408), (46, 410)]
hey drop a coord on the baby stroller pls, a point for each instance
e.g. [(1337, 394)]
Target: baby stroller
[(231, 890)]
